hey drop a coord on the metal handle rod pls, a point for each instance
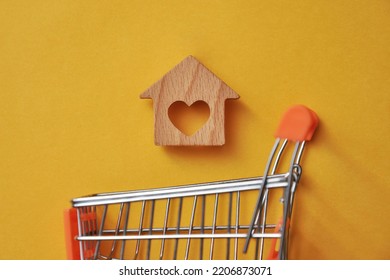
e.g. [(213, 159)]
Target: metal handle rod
[(286, 208), (278, 156), (298, 159), (261, 192), (297, 170), (263, 224), (265, 200), (257, 229)]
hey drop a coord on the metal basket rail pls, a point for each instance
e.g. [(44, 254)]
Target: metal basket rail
[(197, 221), (245, 184)]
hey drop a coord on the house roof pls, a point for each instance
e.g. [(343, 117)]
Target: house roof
[(189, 81)]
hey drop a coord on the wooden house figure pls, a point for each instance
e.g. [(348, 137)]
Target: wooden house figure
[(189, 82)]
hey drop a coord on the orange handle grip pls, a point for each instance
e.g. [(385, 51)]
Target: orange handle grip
[(298, 124), (71, 231)]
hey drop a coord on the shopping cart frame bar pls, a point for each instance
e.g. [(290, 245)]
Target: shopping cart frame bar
[(177, 236), (217, 187)]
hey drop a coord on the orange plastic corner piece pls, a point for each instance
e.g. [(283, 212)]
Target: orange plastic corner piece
[(298, 124), (274, 251), (71, 231)]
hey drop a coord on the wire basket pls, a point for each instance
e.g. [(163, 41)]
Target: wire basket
[(233, 219)]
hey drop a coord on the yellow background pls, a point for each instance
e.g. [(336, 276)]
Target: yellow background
[(72, 123)]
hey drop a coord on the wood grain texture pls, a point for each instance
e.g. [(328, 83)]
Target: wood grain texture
[(189, 81)]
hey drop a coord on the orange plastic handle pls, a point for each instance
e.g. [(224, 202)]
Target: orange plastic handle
[(298, 124), (71, 231)]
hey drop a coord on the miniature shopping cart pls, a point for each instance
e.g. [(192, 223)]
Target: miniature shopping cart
[(233, 219)]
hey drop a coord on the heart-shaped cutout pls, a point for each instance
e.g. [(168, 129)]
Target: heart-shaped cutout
[(189, 119)]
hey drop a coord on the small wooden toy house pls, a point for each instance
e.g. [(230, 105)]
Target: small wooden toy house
[(189, 82)]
